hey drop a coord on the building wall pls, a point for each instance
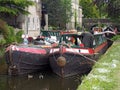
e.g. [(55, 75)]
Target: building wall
[(31, 24), (75, 9)]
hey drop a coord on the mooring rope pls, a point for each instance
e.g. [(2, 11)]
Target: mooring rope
[(10, 55), (80, 55), (88, 58), (75, 55)]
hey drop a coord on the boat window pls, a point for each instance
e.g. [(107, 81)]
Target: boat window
[(87, 39), (73, 41), (94, 43), (99, 39)]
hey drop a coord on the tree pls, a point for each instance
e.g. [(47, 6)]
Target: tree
[(11, 8), (14, 7), (102, 7), (110, 7), (89, 9), (59, 12), (114, 9)]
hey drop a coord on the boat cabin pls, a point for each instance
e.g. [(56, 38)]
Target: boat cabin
[(56, 33), (50, 33), (72, 40), (84, 40)]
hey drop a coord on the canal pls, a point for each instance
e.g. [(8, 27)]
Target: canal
[(40, 81)]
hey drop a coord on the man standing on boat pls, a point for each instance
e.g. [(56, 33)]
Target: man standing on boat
[(87, 39)]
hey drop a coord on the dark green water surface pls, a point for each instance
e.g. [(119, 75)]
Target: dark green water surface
[(41, 81)]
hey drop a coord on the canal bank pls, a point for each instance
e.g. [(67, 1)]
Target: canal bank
[(105, 73), (3, 65), (104, 76)]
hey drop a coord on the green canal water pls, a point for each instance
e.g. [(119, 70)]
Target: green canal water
[(39, 81), (48, 81)]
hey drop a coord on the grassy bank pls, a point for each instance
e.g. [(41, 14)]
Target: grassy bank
[(106, 72)]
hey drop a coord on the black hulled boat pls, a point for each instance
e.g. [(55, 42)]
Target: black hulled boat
[(24, 59), (67, 60)]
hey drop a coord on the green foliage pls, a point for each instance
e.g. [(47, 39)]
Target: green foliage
[(117, 37), (2, 50), (2, 42), (59, 12), (114, 9), (14, 7), (18, 36), (89, 9), (109, 8), (9, 34), (13, 37), (10, 37), (3, 29), (102, 7), (66, 10)]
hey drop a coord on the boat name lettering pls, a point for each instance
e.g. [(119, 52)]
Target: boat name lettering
[(14, 48), (54, 50), (72, 50), (78, 50), (84, 51)]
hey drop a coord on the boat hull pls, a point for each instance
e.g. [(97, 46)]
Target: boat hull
[(26, 61), (76, 63)]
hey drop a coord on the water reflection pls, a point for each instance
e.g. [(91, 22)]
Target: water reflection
[(48, 82)]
